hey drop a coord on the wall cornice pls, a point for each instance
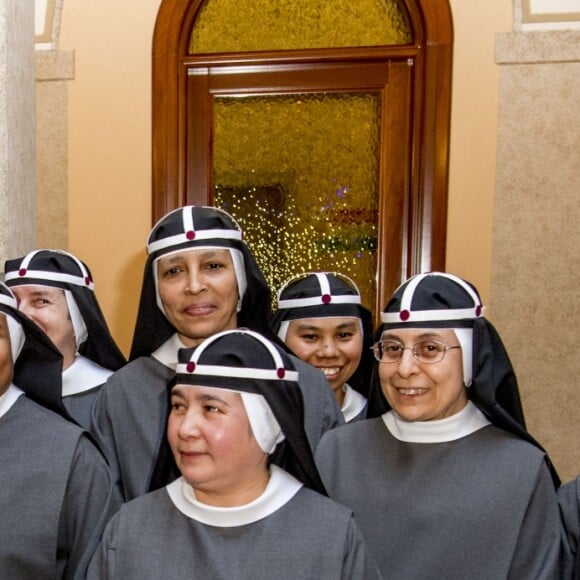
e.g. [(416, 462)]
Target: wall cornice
[(54, 65), (537, 47)]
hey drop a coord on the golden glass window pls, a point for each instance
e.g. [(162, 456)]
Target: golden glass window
[(260, 25), (300, 173)]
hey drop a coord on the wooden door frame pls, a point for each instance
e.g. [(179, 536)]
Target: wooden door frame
[(431, 55)]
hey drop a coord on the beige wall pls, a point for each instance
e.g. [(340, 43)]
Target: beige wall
[(536, 236), (110, 147), (110, 137)]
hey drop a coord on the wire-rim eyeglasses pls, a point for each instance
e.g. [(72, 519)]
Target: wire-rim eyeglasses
[(424, 352)]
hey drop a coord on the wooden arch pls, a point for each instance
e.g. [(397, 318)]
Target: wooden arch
[(425, 205)]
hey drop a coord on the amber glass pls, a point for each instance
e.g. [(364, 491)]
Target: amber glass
[(300, 173), (258, 25)]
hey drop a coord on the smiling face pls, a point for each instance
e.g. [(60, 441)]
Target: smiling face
[(214, 447), (199, 292), (47, 306), (334, 345), (424, 392)]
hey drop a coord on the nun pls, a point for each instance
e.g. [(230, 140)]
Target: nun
[(443, 477), (56, 493), (248, 503), (200, 278), (56, 290), (321, 319)]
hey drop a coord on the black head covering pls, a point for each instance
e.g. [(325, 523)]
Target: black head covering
[(189, 228), (243, 360), (62, 270), (324, 295), (37, 362), (441, 300)]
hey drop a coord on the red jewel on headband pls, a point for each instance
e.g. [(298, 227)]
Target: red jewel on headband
[(404, 315), (190, 235), (87, 281), (478, 311), (190, 367), (280, 373), (326, 298), (22, 272)]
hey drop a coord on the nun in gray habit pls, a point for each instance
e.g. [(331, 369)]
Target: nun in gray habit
[(189, 244), (97, 355), (56, 494), (249, 503), (445, 481), (307, 300)]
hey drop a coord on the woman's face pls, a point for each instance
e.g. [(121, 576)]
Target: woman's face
[(424, 392), (47, 307), (6, 365), (199, 292), (334, 345), (214, 447)]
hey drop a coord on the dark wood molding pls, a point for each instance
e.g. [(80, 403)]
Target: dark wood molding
[(418, 241)]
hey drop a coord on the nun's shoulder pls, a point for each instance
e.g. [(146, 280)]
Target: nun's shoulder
[(321, 508), (569, 500), (351, 433), (134, 373)]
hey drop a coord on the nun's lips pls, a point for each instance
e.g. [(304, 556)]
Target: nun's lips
[(189, 455), (330, 371), (411, 391), (200, 309)]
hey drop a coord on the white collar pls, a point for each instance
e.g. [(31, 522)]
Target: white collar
[(281, 488), (83, 375), (469, 420), (353, 403), (9, 398), (166, 354)]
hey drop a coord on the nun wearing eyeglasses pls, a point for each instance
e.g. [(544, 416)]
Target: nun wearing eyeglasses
[(248, 502), (321, 318), (56, 290), (444, 479), (200, 278)]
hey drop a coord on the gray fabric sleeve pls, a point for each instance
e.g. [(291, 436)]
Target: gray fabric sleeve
[(89, 502), (102, 564), (357, 562), (538, 550)]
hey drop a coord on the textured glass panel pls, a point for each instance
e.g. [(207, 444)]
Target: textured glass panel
[(300, 173), (254, 25)]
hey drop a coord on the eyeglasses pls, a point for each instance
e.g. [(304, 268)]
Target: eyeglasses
[(426, 352)]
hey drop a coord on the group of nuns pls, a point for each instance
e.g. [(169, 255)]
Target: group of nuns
[(235, 444)]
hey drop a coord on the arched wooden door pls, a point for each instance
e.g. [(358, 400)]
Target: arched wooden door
[(402, 228)]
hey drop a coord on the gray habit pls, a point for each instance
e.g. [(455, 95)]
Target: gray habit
[(129, 418), (569, 499), (55, 495), (480, 507), (310, 537), (79, 406)]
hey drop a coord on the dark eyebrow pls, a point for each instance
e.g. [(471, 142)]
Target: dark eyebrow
[(209, 253), (348, 324), (178, 392), (429, 335), (311, 326), (307, 327)]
